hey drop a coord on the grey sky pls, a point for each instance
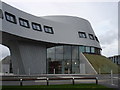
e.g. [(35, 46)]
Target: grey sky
[(103, 17)]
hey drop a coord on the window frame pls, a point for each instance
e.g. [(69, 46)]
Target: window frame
[(23, 23), (87, 49), (10, 16), (82, 33), (48, 27), (92, 50), (91, 35), (96, 39), (36, 24), (1, 16)]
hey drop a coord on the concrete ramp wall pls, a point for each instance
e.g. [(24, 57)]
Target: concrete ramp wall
[(85, 66)]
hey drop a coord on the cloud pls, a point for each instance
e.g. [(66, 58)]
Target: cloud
[(109, 37), (109, 49), (4, 51)]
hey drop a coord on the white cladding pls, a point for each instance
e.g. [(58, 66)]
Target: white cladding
[(65, 28)]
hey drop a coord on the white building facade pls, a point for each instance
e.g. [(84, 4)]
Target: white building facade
[(46, 45)]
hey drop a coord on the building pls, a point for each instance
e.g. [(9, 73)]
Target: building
[(47, 45), (115, 59), (5, 65)]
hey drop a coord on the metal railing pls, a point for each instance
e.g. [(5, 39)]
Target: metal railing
[(51, 79)]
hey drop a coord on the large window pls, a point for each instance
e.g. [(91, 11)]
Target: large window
[(91, 36), (97, 51), (10, 17), (87, 49), (1, 14), (92, 50), (48, 29), (59, 53), (82, 34), (67, 52), (75, 60), (75, 52), (51, 54), (65, 59), (81, 48), (24, 23), (36, 26)]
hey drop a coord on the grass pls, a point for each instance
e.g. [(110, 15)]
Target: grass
[(100, 62), (63, 87)]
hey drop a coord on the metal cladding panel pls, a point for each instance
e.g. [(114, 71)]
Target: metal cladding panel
[(33, 57), (65, 28)]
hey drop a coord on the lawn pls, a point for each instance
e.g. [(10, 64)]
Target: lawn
[(61, 87), (101, 62)]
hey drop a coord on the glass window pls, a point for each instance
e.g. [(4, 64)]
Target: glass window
[(67, 67), (75, 67), (59, 53), (10, 17), (88, 49), (97, 51), (48, 29), (96, 39), (81, 49), (75, 52), (24, 22), (91, 37), (92, 50), (67, 52), (1, 14), (51, 54), (36, 26), (82, 35)]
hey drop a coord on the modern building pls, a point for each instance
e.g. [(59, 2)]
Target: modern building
[(47, 45), (115, 59)]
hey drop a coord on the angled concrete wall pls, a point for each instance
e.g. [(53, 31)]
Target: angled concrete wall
[(28, 58), (88, 68)]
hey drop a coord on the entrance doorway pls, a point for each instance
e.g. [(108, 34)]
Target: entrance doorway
[(55, 67)]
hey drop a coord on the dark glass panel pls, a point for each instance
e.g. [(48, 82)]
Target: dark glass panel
[(75, 52)]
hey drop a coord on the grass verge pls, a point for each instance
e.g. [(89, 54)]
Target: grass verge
[(61, 87)]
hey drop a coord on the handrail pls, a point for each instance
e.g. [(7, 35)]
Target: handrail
[(48, 79)]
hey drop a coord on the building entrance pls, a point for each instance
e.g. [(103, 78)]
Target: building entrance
[(55, 67)]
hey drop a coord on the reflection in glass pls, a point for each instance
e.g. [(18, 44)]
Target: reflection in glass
[(81, 48), (59, 53), (51, 54), (67, 52), (75, 52), (65, 59), (75, 66), (88, 49), (92, 50)]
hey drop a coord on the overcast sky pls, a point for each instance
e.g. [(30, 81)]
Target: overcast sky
[(103, 17)]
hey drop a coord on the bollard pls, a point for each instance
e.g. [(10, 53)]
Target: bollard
[(111, 77), (21, 84), (73, 81), (54, 70), (96, 80), (47, 81)]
